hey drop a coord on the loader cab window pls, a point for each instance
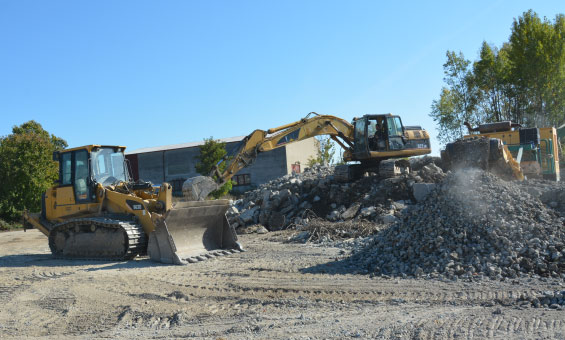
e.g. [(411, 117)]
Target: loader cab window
[(81, 182), (108, 166), (65, 170)]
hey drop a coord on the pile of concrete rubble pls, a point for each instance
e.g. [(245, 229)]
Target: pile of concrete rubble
[(466, 224), (472, 224), (292, 200)]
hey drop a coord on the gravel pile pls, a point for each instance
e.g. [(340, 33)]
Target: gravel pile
[(472, 224), (285, 202), (548, 299), (549, 192)]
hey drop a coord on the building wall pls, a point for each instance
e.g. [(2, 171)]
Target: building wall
[(180, 163), (150, 167), (176, 165), (267, 166), (300, 152)]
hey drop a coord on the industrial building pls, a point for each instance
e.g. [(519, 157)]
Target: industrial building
[(175, 163)]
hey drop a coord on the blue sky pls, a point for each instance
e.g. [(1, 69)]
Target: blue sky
[(151, 73)]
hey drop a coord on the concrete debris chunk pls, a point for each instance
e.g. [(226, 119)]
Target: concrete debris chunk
[(198, 188), (422, 190), (351, 211)]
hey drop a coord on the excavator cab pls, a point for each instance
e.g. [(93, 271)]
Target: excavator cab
[(384, 136)]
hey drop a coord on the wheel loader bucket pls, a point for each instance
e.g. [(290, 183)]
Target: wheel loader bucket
[(192, 231)]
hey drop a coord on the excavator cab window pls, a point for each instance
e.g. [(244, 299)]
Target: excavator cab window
[(376, 134), (395, 132), (360, 145)]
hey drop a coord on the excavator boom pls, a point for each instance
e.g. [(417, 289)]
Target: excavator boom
[(262, 141)]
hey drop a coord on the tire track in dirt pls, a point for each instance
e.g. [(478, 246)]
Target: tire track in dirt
[(261, 286), (480, 327)]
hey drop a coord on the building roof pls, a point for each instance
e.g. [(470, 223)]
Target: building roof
[(181, 146)]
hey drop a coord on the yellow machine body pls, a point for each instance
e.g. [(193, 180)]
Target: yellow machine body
[(95, 196), (536, 159)]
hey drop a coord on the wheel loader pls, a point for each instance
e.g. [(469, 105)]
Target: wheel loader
[(95, 211), (374, 143)]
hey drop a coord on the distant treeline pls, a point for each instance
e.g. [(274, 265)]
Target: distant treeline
[(522, 81)]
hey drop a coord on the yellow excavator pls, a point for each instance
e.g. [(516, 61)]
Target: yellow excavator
[(376, 143), (95, 211)]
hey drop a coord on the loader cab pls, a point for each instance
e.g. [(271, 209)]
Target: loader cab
[(81, 169), (378, 133)]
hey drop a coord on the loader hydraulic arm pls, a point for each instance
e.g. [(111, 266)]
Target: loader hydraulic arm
[(258, 141)]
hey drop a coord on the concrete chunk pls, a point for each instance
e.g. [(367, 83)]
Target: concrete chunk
[(422, 190)]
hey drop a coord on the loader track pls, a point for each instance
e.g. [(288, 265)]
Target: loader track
[(97, 238)]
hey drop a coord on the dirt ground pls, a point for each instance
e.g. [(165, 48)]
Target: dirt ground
[(275, 290)]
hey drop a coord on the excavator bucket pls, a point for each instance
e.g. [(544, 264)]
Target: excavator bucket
[(193, 231)]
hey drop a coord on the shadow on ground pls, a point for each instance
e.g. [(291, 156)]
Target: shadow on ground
[(338, 267), (47, 260)]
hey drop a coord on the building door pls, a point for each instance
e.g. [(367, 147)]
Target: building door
[(295, 168)]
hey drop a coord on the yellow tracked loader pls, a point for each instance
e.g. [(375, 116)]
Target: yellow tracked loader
[(96, 212)]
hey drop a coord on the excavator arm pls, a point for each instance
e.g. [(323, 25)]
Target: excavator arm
[(258, 141)]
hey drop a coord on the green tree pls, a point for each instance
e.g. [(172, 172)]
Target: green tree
[(537, 68), (491, 78), (211, 153), (523, 81), (458, 100), (325, 152), (27, 168)]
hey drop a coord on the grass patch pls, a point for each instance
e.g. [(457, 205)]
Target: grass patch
[(6, 226)]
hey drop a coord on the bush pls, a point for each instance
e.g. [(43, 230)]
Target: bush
[(27, 168), (4, 226), (210, 154)]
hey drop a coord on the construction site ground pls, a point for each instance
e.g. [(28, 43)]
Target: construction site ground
[(275, 290)]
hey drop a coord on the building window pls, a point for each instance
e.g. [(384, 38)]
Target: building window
[(243, 179), (296, 167)]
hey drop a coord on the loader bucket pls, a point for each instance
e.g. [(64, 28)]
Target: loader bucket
[(192, 231)]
